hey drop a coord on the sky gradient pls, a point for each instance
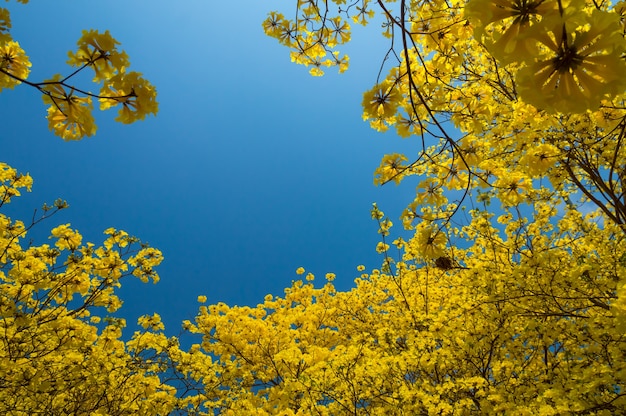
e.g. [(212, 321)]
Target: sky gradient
[(251, 168)]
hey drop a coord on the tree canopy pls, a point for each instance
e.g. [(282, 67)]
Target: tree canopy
[(508, 296)]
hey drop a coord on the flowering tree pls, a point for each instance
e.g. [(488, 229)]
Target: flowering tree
[(509, 296), (61, 350)]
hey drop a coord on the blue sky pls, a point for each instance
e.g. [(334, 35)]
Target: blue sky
[(251, 169)]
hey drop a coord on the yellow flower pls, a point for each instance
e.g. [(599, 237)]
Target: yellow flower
[(300, 270), (580, 65), (428, 242), (539, 159), (500, 24), (202, 299), (273, 25), (409, 125), (74, 124), (67, 239), (152, 322), (316, 71), (13, 60), (382, 247), (69, 116), (340, 31), (512, 188), (99, 51), (137, 96), (381, 101), (391, 168), (342, 62), (119, 237), (430, 192)]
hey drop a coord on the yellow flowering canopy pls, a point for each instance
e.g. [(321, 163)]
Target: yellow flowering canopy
[(61, 350), (506, 294)]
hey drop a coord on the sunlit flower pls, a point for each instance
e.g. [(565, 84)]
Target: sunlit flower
[(340, 30), (581, 63), (539, 159), (499, 24), (67, 239), (99, 50), (429, 242), (382, 247), (512, 188), (137, 96), (407, 125), (151, 322), (391, 168), (381, 101), (430, 192), (273, 24), (14, 61)]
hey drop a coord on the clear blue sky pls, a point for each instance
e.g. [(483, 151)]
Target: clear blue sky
[(251, 168)]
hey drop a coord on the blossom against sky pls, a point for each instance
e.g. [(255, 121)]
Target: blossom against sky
[(250, 169)]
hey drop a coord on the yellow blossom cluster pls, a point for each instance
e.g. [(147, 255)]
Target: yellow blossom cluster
[(314, 36), (58, 353), (69, 107), (524, 320), (506, 98)]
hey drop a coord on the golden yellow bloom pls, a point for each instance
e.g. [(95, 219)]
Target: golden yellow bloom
[(151, 322), (381, 101), (135, 94), (430, 192), (407, 125), (340, 30), (99, 51), (382, 247), (274, 24), (69, 115), (539, 159), (512, 188), (391, 168), (67, 239), (501, 24), (73, 124), (428, 242), (116, 237), (581, 63), (13, 61)]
